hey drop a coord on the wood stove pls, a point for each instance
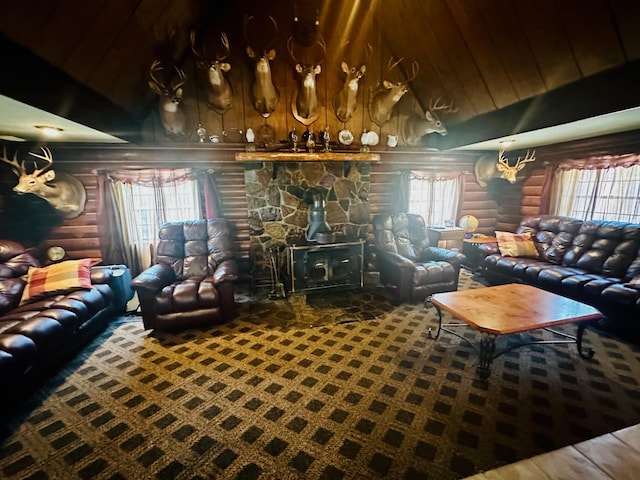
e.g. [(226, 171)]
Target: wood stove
[(312, 267)]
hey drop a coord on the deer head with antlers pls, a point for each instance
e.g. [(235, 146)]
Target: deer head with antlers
[(65, 193), (304, 103), (486, 168), (382, 102), (170, 105), (417, 126), (509, 172), (220, 91), (264, 94)]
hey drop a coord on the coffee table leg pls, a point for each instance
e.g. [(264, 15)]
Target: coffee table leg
[(588, 352), (487, 354), (431, 335)]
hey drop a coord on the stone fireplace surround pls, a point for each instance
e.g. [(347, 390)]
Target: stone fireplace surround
[(279, 216)]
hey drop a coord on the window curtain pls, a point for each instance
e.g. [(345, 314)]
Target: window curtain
[(439, 198), (210, 193), (400, 193), (564, 191), (604, 186), (119, 245)]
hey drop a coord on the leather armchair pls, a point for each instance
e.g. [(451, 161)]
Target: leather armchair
[(407, 261), (192, 283)]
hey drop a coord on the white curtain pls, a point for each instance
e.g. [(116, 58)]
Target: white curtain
[(564, 191), (435, 197), (607, 193), (143, 207)]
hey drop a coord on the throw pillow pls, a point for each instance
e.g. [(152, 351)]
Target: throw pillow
[(57, 278), (634, 283), (516, 245)]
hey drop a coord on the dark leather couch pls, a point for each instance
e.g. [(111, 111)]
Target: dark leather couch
[(589, 261), (38, 336), (192, 283), (407, 262)]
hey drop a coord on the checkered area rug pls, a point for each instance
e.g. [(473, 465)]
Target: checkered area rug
[(261, 398)]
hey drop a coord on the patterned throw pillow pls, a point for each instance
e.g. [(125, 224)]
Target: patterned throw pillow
[(57, 278), (634, 283), (516, 245)]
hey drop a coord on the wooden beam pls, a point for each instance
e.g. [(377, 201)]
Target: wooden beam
[(609, 91), (29, 79)]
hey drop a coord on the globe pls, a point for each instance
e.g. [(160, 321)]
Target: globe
[(469, 223)]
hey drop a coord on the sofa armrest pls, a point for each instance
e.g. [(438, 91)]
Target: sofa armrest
[(395, 260), (445, 255), (154, 278), (101, 276), (227, 271), (486, 249)]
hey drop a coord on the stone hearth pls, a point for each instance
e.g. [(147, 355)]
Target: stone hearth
[(279, 215)]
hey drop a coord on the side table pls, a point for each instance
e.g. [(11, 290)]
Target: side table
[(120, 284), (451, 237), (472, 253)]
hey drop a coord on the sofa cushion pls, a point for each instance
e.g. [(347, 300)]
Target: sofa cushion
[(57, 278), (633, 283), (10, 293), (516, 245)]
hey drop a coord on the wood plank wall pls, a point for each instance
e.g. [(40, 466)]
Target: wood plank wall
[(500, 206), (80, 236)]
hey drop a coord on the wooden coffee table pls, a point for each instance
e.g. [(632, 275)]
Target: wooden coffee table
[(512, 308)]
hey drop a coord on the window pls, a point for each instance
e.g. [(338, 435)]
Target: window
[(608, 193), (146, 199), (154, 205), (435, 198)]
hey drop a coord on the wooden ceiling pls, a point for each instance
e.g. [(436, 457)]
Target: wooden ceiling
[(507, 65)]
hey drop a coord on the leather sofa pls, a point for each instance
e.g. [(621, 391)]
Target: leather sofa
[(192, 282), (37, 336), (407, 262), (591, 261)]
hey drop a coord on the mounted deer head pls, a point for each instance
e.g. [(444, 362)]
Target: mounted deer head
[(65, 193), (170, 105), (344, 101), (220, 92), (508, 172), (486, 168), (417, 126), (382, 102), (265, 95), (304, 103)]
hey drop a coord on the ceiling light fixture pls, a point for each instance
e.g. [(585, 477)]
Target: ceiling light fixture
[(50, 131), (506, 143)]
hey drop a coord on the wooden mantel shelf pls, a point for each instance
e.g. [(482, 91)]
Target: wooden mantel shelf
[(306, 157)]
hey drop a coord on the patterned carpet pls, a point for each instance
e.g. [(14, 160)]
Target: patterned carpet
[(342, 386)]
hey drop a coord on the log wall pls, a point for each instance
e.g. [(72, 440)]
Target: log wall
[(29, 219)]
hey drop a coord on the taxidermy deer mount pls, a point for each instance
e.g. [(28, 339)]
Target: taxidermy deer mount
[(220, 93), (344, 101), (389, 93), (65, 193), (170, 104), (264, 93), (304, 103), (486, 168), (417, 126)]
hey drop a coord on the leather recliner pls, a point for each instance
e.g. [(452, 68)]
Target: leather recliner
[(407, 262), (192, 282)]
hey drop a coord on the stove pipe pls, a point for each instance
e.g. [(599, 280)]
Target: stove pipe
[(318, 229)]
